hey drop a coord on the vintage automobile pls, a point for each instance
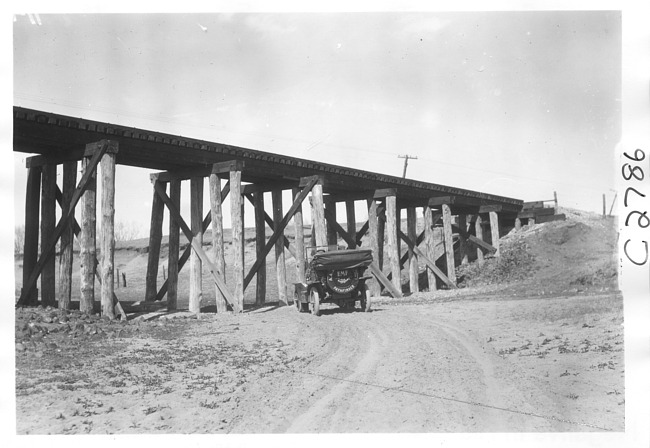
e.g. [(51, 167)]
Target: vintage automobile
[(334, 276)]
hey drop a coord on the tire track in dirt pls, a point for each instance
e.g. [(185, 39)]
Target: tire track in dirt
[(504, 406), (361, 350)]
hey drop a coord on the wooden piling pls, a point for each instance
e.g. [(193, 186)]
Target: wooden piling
[(32, 207), (174, 248), (67, 237), (299, 242), (479, 234), (381, 235), (48, 222), (392, 249), (260, 242), (462, 245), (330, 206), (375, 287), (87, 241), (280, 266), (351, 222), (155, 240), (196, 221), (449, 242), (237, 222), (430, 245), (216, 210), (494, 227), (107, 242), (411, 221), (318, 215)]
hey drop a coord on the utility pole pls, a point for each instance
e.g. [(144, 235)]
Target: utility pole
[(406, 158)]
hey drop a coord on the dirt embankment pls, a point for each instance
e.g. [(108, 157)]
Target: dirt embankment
[(544, 354)]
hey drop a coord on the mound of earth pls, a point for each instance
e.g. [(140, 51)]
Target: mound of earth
[(570, 256)]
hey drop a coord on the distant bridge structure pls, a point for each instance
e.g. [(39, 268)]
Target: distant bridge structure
[(468, 223)]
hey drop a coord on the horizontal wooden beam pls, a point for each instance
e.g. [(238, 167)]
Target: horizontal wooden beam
[(454, 200), (88, 151)]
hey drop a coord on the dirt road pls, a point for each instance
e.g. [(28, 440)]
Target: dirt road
[(530, 365)]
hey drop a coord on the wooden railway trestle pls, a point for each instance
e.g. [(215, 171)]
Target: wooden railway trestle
[(248, 175)]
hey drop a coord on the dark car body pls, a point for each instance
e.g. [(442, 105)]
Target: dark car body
[(335, 276)]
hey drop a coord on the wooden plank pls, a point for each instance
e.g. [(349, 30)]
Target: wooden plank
[(174, 249), (310, 184), (196, 265), (429, 241), (67, 237), (430, 263), (351, 222), (299, 233), (260, 240), (218, 250), (32, 220), (107, 239), (392, 249), (280, 266), (449, 243), (237, 239), (48, 221), (494, 228), (411, 221), (155, 240), (196, 247)]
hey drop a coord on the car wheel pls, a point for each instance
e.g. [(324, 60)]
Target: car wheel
[(365, 299), (314, 301)]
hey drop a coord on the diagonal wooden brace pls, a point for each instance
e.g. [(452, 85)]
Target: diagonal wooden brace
[(48, 252), (175, 215), (278, 232), (381, 277), (188, 250), (269, 222), (485, 247), (426, 259)]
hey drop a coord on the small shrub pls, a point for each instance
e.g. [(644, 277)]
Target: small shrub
[(514, 263)]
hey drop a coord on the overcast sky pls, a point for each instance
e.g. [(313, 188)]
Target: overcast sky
[(519, 104)]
